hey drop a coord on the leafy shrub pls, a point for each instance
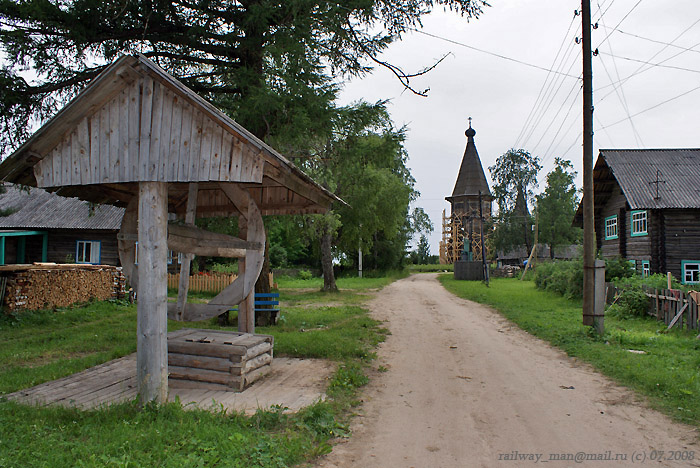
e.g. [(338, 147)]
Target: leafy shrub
[(563, 277), (618, 267), (657, 281), (304, 275), (631, 303), (227, 268)]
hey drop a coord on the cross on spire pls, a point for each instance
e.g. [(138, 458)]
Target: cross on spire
[(470, 122)]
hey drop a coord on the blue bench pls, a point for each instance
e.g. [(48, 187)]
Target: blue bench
[(265, 299)]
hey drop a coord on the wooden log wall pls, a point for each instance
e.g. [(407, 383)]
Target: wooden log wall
[(681, 238), (43, 287), (218, 359)]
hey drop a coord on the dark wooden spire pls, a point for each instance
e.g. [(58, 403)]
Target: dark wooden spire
[(471, 179)]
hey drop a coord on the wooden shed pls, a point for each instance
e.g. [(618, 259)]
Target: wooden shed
[(138, 138)]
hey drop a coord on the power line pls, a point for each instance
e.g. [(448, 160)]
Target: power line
[(566, 117), (653, 107), (510, 59), (687, 49), (641, 69), (544, 83), (621, 94), (618, 24), (652, 65)]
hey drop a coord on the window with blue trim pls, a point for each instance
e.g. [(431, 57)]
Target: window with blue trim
[(87, 251), (611, 227), (646, 268), (691, 271), (639, 223)]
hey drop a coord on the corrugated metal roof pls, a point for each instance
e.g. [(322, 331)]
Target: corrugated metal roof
[(676, 170), (39, 209)]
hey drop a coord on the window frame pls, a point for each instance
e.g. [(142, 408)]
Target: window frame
[(610, 226), (634, 233), (684, 265), (646, 268), (92, 243)]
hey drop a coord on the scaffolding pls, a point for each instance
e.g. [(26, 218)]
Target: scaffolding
[(458, 228)]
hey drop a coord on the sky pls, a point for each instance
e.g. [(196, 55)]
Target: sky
[(646, 81)]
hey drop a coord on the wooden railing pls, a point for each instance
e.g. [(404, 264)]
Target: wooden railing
[(673, 306)]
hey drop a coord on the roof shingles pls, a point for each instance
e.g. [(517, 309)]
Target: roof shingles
[(39, 209)]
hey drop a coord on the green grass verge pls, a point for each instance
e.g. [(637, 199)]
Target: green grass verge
[(39, 346), (667, 374)]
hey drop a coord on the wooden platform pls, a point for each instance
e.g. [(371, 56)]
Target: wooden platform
[(291, 383)]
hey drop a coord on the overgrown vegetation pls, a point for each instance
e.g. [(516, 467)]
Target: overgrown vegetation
[(566, 277), (666, 372), (45, 345)]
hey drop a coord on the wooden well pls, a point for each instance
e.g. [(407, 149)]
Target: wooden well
[(138, 138), (217, 359)]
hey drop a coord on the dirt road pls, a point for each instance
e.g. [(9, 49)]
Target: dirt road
[(465, 388)]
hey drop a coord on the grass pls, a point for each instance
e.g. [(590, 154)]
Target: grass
[(39, 346), (667, 374)]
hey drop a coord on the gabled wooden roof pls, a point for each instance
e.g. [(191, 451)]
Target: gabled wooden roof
[(137, 123), (471, 178)]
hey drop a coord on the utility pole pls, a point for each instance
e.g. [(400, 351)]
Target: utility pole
[(589, 317)]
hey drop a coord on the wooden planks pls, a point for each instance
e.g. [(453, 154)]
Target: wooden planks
[(218, 357)]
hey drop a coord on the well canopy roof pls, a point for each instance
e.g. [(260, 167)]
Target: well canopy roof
[(136, 123)]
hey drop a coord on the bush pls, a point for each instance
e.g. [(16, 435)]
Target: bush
[(618, 267), (304, 275), (631, 303), (562, 277)]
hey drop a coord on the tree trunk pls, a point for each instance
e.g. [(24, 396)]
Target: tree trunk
[(327, 262)]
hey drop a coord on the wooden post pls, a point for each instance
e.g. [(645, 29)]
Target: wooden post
[(184, 282), (152, 312), (246, 305)]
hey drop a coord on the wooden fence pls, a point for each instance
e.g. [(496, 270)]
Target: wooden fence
[(673, 306), (208, 283), (202, 283)]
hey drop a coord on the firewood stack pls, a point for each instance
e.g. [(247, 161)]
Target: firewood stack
[(45, 286)]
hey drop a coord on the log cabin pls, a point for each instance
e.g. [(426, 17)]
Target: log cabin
[(647, 210)]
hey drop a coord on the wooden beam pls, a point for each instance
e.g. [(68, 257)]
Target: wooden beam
[(184, 283), (151, 325), (195, 312)]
